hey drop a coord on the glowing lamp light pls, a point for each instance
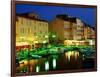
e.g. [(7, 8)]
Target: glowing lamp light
[(22, 37), (53, 36), (44, 41), (36, 36), (90, 42), (36, 42), (25, 62), (46, 36)]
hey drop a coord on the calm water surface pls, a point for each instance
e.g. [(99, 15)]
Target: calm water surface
[(66, 61)]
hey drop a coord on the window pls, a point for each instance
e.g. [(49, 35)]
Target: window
[(35, 22), (29, 31), (22, 30), (40, 23), (35, 33), (40, 32), (21, 20), (30, 22), (27, 21), (24, 20), (46, 24), (66, 26), (34, 27)]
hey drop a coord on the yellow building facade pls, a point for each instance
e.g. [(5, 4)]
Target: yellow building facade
[(67, 28), (31, 30)]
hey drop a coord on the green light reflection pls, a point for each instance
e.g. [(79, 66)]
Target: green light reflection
[(46, 65), (37, 68), (54, 63)]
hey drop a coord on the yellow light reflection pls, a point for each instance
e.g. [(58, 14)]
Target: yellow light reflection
[(69, 55), (76, 55)]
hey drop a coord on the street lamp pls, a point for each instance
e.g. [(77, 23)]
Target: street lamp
[(46, 36), (36, 42), (44, 41), (36, 36), (53, 36)]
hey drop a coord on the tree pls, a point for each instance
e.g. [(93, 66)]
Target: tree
[(52, 37)]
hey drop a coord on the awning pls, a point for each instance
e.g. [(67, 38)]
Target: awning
[(21, 43)]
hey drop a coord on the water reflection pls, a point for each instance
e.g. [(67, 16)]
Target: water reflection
[(67, 60), (54, 63), (47, 65), (76, 55), (83, 57), (37, 68), (71, 54)]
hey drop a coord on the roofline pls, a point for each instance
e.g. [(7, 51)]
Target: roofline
[(31, 18)]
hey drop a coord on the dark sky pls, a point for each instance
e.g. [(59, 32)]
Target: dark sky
[(49, 12)]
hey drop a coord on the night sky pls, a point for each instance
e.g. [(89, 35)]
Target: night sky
[(48, 13)]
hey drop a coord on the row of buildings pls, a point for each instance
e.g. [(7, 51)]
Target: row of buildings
[(30, 29), (72, 30)]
